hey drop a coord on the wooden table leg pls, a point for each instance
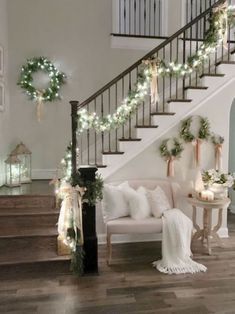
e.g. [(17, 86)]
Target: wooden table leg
[(198, 234), (207, 217), (217, 227)]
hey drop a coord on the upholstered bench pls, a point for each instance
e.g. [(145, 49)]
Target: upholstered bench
[(128, 225)]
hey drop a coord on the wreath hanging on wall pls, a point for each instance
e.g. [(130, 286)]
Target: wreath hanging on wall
[(50, 93), (170, 154), (203, 133)]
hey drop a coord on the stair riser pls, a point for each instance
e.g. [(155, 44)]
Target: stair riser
[(27, 201), (24, 222), (30, 246)]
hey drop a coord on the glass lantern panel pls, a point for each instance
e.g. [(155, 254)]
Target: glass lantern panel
[(13, 175), (25, 168)]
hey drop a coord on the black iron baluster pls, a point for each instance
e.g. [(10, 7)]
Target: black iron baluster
[(184, 59), (130, 115), (170, 74), (119, 17), (177, 60), (95, 136), (123, 128), (187, 9), (145, 15), (163, 83), (149, 34), (124, 16), (102, 115), (154, 18), (159, 19), (129, 16), (191, 8), (88, 140), (109, 109), (135, 17), (137, 111), (197, 50), (116, 105)]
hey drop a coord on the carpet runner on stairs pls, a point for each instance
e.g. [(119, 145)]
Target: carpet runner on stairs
[(28, 233)]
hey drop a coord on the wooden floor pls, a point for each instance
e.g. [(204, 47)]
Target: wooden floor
[(130, 285)]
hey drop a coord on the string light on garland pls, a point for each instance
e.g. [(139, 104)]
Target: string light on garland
[(50, 93), (130, 104), (221, 17)]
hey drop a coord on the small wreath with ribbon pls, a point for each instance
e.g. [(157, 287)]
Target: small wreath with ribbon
[(170, 154), (217, 140), (50, 93), (189, 137)]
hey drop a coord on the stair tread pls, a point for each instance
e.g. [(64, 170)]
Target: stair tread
[(130, 139), (196, 87), (162, 113), (212, 74), (101, 166), (22, 258), (179, 100), (146, 126), (112, 153), (12, 212), (27, 232), (225, 62)]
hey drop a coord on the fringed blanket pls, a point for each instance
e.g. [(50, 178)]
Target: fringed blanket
[(176, 241)]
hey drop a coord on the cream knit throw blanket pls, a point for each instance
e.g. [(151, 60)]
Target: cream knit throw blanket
[(176, 241)]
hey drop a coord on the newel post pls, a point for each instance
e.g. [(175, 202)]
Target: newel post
[(90, 245)]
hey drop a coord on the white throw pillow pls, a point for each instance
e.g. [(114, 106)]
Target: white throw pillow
[(114, 204), (158, 201), (138, 202)]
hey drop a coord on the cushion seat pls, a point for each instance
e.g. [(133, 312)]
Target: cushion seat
[(128, 225)]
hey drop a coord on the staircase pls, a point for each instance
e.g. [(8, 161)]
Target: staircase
[(179, 97), (28, 234)]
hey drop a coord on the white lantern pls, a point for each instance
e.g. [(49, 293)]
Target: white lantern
[(13, 166), (24, 155)]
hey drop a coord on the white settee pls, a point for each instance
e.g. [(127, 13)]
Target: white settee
[(128, 225)]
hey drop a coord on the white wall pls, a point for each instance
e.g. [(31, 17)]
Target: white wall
[(149, 164), (4, 116), (75, 35), (232, 152)]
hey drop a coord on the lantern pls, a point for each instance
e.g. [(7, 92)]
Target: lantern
[(24, 155), (13, 166)]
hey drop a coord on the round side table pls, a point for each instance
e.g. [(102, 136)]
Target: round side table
[(206, 233)]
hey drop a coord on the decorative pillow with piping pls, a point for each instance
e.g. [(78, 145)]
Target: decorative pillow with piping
[(114, 204), (138, 202), (158, 201)]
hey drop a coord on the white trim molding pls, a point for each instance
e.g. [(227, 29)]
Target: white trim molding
[(40, 174)]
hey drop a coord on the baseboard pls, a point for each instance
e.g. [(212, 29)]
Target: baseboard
[(130, 238), (40, 174)]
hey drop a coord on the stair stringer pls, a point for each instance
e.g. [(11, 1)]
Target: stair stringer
[(166, 123)]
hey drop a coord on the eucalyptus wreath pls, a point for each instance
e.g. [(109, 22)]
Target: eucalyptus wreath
[(34, 65), (175, 151), (203, 132), (217, 139)]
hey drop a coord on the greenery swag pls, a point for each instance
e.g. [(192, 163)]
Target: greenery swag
[(203, 132), (220, 18)]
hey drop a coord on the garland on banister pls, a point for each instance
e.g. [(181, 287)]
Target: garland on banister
[(151, 69)]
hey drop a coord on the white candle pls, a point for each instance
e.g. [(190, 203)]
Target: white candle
[(207, 195)]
